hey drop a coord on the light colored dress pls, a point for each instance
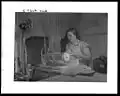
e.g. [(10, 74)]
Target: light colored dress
[(75, 64)]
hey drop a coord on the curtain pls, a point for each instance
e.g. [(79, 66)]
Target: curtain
[(50, 25)]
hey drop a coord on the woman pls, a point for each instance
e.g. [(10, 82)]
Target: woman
[(79, 51)]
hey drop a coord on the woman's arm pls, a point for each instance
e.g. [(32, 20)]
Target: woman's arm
[(86, 54), (68, 50)]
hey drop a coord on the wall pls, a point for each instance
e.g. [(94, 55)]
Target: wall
[(93, 28), (36, 30), (52, 25)]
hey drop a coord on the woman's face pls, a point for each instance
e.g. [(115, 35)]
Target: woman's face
[(71, 36)]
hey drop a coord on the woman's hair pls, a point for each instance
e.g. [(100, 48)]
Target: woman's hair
[(74, 31), (65, 40)]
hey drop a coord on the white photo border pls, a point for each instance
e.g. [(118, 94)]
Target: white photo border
[(8, 37)]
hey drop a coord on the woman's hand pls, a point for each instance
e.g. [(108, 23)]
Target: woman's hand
[(77, 55), (74, 54), (69, 51)]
